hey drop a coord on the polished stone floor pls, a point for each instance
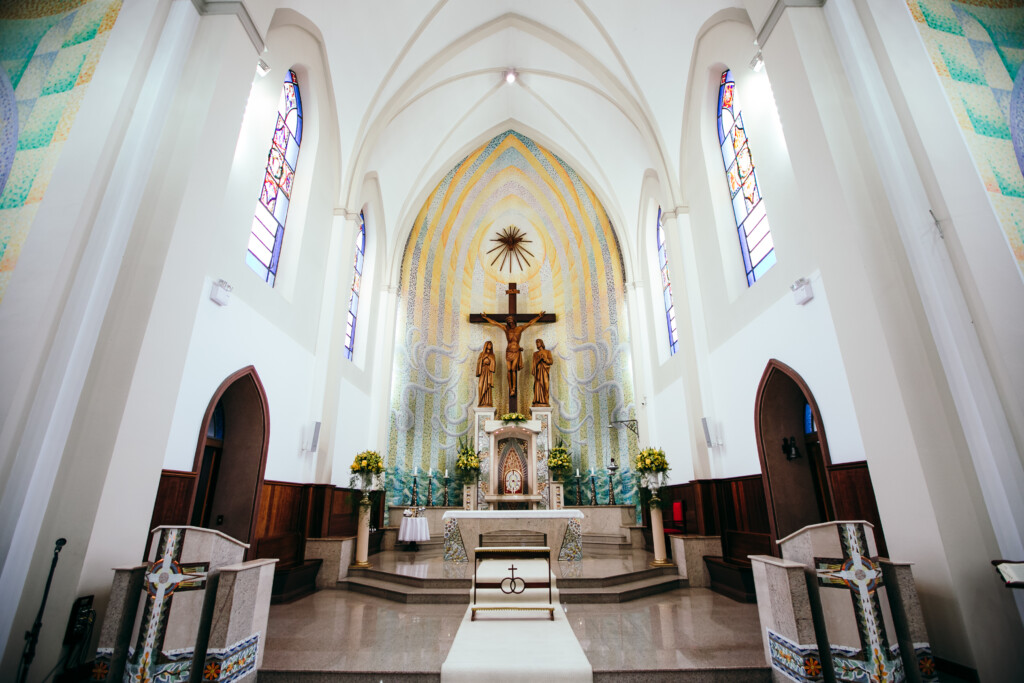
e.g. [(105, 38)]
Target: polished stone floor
[(337, 631)]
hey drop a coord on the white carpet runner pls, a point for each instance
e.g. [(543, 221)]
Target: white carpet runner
[(515, 645)]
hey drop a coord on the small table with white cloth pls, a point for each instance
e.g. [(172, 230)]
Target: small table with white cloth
[(413, 530)]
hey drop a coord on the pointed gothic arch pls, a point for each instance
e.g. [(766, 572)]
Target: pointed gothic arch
[(797, 489), (229, 474)]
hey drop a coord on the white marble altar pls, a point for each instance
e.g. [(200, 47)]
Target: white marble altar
[(462, 530)]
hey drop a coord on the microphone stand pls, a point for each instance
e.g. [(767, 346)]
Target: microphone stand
[(32, 637)]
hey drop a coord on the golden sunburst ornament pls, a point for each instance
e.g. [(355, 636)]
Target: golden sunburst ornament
[(510, 248)]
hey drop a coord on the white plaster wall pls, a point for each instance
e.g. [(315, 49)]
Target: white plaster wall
[(802, 337), (226, 339), (670, 432)]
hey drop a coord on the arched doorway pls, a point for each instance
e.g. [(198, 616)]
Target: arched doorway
[(231, 457), (793, 450)]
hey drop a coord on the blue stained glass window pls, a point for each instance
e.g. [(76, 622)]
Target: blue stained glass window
[(666, 290), (267, 230), (357, 279), (747, 203)]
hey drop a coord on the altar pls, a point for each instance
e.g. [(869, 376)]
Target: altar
[(562, 529)]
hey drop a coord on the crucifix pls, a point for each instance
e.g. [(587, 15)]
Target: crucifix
[(513, 328)]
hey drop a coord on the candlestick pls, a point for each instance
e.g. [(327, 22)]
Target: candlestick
[(445, 472), (593, 488), (446, 488)]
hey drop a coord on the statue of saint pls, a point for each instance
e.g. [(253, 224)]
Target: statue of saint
[(485, 365), (541, 375), (513, 352)]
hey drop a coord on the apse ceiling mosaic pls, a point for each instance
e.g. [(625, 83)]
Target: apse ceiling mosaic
[(511, 211), (48, 53), (977, 47)]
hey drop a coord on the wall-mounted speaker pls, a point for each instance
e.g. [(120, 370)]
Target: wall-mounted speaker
[(314, 439), (707, 432)]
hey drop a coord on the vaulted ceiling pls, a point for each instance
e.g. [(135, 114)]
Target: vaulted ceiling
[(419, 85)]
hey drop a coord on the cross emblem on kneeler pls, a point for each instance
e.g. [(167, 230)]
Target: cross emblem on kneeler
[(862, 577), (165, 577)]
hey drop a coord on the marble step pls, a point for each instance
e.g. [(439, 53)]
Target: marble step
[(605, 539), (611, 589), (413, 581), (741, 674), (623, 592), (618, 579), (401, 592)]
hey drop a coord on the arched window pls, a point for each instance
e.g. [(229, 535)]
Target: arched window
[(272, 208), (666, 290), (747, 204), (357, 278)]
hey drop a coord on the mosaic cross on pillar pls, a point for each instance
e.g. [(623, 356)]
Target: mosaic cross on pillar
[(166, 576), (861, 575), (513, 326)]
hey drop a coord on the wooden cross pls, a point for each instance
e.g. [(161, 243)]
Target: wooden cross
[(481, 318)]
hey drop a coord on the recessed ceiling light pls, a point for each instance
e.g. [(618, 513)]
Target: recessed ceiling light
[(510, 76)]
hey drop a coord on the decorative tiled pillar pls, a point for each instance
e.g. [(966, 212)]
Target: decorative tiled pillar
[(238, 625), (787, 622)]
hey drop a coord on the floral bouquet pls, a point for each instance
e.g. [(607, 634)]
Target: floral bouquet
[(368, 466), (559, 461), (513, 417), (467, 462), (652, 465)]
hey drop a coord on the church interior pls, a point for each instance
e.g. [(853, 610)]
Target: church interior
[(749, 260)]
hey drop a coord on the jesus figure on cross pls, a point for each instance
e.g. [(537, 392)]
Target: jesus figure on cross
[(513, 351)]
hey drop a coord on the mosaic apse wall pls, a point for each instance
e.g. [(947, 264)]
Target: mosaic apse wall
[(48, 53), (977, 47), (574, 270)]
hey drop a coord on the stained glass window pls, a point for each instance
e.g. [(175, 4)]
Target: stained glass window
[(272, 208), (747, 204), (357, 276), (666, 290)]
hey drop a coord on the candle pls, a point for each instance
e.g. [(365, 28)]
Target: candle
[(430, 472), (417, 471), (591, 471), (577, 471)]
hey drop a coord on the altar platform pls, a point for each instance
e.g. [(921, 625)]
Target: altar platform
[(685, 635), (604, 575)]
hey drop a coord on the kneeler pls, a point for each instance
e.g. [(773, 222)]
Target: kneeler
[(513, 580)]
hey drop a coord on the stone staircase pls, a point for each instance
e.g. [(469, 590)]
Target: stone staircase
[(609, 589)]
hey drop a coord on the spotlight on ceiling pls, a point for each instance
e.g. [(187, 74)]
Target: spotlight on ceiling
[(262, 68), (511, 76)]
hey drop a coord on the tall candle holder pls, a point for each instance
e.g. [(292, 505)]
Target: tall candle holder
[(430, 491), (415, 492), (593, 490), (579, 491), (447, 479), (611, 482)]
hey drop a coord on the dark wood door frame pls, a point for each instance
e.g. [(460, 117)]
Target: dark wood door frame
[(823, 461), (246, 373)]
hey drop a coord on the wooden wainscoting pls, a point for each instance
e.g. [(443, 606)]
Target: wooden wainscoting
[(854, 497), (288, 514), (173, 504)]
